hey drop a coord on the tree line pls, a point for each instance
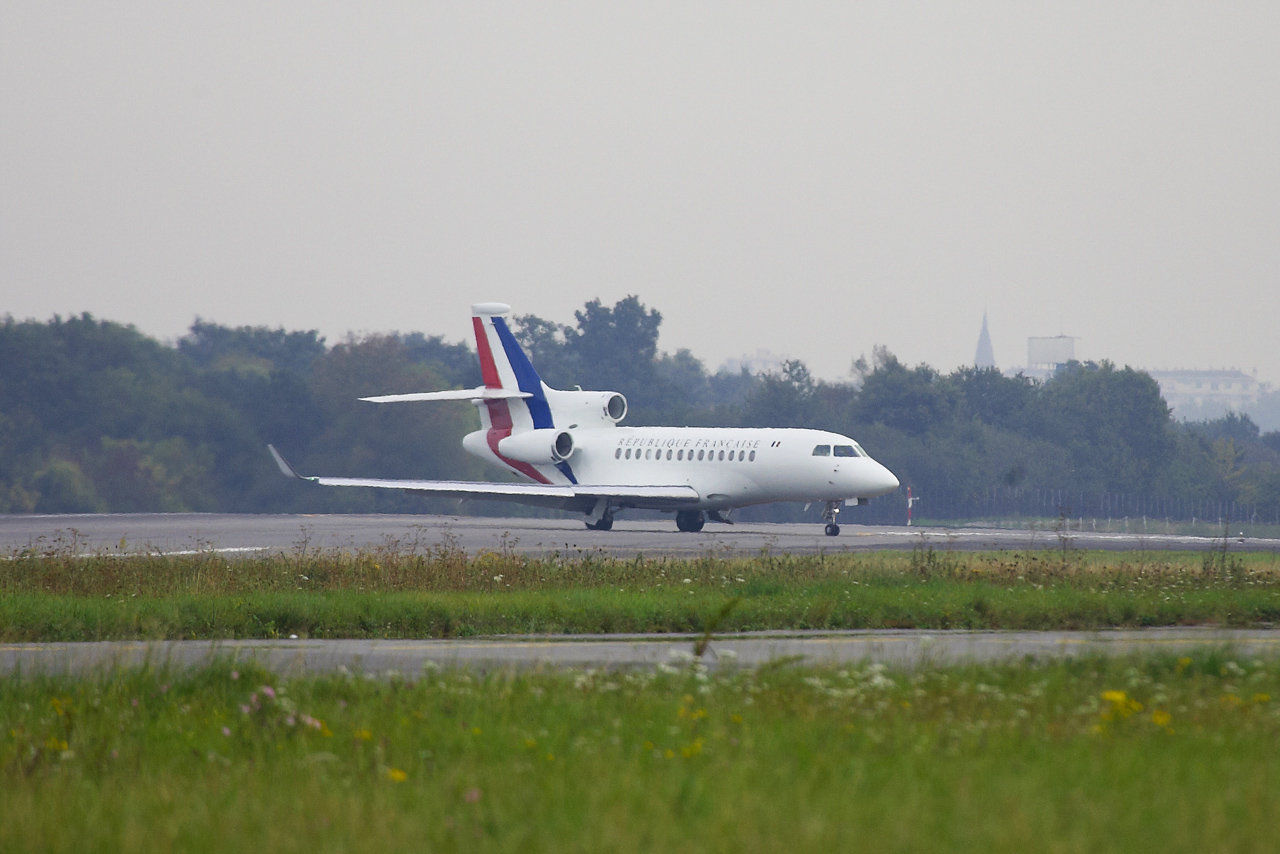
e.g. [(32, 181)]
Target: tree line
[(97, 417)]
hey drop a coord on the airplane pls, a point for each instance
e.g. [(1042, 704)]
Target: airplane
[(572, 453)]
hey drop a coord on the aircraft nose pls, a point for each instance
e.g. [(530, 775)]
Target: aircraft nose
[(888, 482)]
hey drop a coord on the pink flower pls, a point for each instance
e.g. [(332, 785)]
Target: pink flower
[(472, 795), (245, 708), (235, 674), (268, 691), (135, 701), (290, 721), (226, 730), (164, 689)]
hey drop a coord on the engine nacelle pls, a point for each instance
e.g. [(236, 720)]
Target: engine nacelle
[(596, 408), (540, 447)]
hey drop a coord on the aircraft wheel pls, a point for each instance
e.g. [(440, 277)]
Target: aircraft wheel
[(690, 521), (605, 524), (833, 530)]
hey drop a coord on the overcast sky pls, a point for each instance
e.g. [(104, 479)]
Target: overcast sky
[(805, 178)]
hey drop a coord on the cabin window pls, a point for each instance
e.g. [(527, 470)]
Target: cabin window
[(679, 455), (648, 452), (668, 453), (822, 451), (845, 451), (628, 453), (752, 458), (699, 454), (617, 454), (722, 456)]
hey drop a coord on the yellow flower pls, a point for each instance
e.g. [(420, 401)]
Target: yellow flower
[(397, 776), (364, 735), (530, 743), (1115, 698), (475, 730), (1262, 698), (1161, 718)]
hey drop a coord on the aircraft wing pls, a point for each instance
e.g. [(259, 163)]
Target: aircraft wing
[(576, 497)]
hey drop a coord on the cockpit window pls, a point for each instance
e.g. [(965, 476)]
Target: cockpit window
[(845, 451), (859, 450), (822, 451)]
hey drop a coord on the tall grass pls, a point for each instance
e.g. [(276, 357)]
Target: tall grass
[(441, 591), (1096, 754)]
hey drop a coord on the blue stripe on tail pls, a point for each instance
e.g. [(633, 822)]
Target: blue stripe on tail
[(529, 381)]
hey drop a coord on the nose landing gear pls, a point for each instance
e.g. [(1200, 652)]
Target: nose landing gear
[(829, 513)]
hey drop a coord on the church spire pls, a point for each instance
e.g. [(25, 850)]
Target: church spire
[(985, 357)]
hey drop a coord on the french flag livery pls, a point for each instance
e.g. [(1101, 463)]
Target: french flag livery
[(571, 453), (500, 417)]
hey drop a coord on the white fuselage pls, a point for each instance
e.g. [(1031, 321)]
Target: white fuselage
[(728, 467)]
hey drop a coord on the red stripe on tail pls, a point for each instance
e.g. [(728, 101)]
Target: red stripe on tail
[(488, 369)]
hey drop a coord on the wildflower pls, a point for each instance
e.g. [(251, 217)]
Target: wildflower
[(244, 708), (235, 674), (472, 795), (1262, 698), (397, 776), (226, 730), (688, 581), (135, 701), (363, 735), (268, 692), (475, 730), (1161, 718)]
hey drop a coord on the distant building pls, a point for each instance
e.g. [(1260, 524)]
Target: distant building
[(1046, 356), (985, 357), (759, 362), (1200, 395)]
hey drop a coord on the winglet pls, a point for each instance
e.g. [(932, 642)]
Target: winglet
[(285, 469)]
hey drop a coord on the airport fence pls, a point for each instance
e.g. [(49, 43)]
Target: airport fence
[(1015, 503)]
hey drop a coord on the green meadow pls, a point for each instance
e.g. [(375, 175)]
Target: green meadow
[(442, 591), (1126, 754)]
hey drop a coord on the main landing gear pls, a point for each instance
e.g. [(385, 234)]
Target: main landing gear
[(690, 521), (829, 513), (604, 523)]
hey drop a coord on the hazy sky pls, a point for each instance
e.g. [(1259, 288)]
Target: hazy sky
[(805, 178)]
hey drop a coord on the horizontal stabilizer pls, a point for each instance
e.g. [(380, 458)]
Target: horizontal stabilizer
[(480, 393)]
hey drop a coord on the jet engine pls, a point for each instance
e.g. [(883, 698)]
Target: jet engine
[(596, 408), (540, 447)]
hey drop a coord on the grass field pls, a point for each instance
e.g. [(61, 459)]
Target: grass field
[(443, 592), (1153, 754)]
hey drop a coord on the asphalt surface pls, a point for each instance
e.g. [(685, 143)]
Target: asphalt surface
[(408, 657), (232, 534)]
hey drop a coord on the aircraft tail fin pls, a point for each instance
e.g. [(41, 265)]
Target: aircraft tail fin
[(504, 365)]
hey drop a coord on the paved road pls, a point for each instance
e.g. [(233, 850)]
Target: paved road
[(903, 648), (181, 532)]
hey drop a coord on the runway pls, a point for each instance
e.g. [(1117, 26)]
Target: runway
[(246, 534), (904, 648)]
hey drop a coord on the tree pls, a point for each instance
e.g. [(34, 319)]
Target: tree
[(1114, 424), (914, 400)]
